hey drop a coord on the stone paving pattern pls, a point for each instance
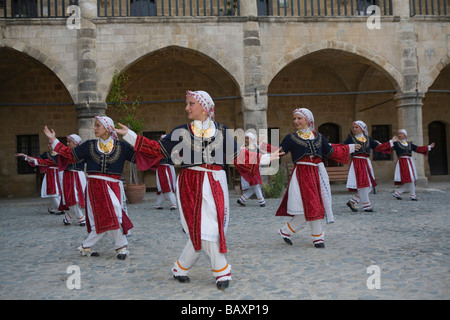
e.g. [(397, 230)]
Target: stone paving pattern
[(408, 241)]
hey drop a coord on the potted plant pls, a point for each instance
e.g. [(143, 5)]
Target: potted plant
[(126, 111), (276, 185)]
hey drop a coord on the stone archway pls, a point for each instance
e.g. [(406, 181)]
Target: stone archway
[(436, 119), (68, 79), (205, 50), (373, 58), (31, 96), (338, 86), (161, 78)]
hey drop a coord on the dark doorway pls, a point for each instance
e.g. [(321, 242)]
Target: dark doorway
[(331, 132), (437, 158)]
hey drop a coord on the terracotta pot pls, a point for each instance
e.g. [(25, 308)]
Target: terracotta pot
[(135, 192)]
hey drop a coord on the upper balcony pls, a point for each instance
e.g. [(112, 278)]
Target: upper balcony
[(15, 9)]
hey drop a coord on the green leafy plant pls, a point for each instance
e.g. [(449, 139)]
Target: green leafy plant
[(276, 185), (118, 99)]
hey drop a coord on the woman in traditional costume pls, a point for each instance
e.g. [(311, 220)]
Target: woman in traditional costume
[(165, 183), (308, 196), (201, 148), (51, 184), (254, 185), (361, 178), (105, 199), (405, 170), (73, 185)]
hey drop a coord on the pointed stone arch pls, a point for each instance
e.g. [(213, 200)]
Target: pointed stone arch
[(375, 59), (140, 52), (435, 72), (61, 72)]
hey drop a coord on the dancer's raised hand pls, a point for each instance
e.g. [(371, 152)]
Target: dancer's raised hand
[(123, 130), (50, 133)]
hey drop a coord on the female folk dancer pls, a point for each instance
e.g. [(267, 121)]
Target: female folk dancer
[(253, 186), (165, 183), (202, 148), (360, 174), (73, 185), (51, 184), (105, 200), (308, 197), (405, 170)]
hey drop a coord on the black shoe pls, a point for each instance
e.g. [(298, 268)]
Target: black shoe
[(66, 223), (286, 239), (182, 279), (368, 210), (222, 284), (396, 196), (241, 203), (413, 199), (88, 252), (262, 205), (159, 208), (319, 245), (122, 253), (351, 205), (82, 224), (173, 208)]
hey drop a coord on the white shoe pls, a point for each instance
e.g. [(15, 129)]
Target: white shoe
[(285, 237), (122, 253), (88, 252)]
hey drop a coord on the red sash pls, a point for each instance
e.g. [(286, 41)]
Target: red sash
[(165, 178), (51, 176), (102, 207), (309, 181), (405, 176), (71, 180), (190, 186), (363, 174)]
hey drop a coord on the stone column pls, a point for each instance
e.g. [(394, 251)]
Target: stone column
[(409, 100), (88, 104), (254, 95), (401, 8), (409, 114)]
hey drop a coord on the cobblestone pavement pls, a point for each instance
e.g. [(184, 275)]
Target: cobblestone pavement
[(408, 241)]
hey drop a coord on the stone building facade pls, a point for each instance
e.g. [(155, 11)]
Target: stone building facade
[(57, 71)]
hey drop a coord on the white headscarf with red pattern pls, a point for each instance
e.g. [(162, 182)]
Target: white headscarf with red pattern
[(308, 115), (75, 139), (108, 123), (205, 100), (363, 126)]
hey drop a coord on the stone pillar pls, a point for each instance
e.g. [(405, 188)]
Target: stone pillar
[(401, 8), (409, 113), (88, 104), (409, 100), (254, 95)]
